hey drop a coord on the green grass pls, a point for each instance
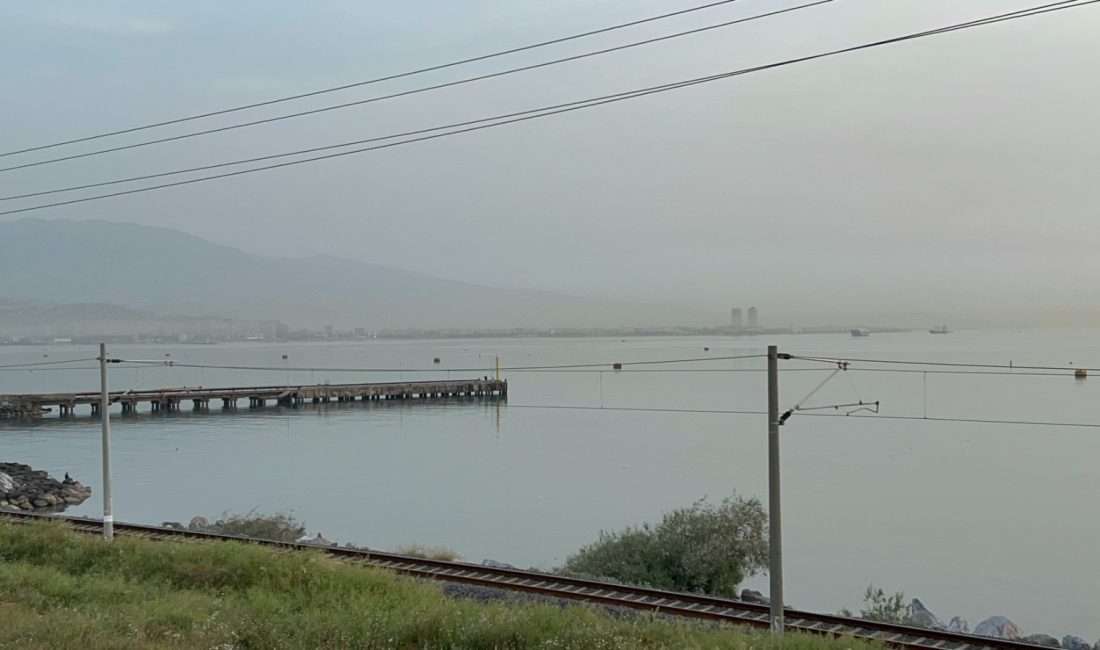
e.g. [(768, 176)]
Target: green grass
[(61, 589)]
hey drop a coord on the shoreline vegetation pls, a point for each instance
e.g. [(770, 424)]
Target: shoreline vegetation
[(704, 548), (707, 548), (62, 589)]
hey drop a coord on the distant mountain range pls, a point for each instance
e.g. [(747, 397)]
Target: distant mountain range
[(38, 319), (163, 270)]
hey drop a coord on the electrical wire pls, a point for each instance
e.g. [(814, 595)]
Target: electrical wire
[(415, 91), (590, 368), (630, 409), (389, 77), (500, 120), (1089, 425), (48, 363), (807, 415), (952, 364), (916, 418), (612, 99), (285, 369), (341, 145), (56, 369)]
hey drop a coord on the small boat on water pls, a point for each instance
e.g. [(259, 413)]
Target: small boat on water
[(861, 331), (939, 329)]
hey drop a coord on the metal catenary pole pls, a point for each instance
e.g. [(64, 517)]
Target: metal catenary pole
[(775, 537), (105, 417)]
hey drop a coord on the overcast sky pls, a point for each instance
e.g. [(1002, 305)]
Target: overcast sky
[(954, 173)]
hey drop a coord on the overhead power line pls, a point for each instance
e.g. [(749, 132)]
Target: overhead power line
[(47, 363), (389, 77), (627, 409), (1034, 423), (393, 136), (414, 91), (284, 369), (60, 369), (948, 364), (564, 407), (1042, 9), (603, 368)]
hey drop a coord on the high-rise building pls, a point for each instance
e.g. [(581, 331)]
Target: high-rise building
[(737, 318), (754, 317)]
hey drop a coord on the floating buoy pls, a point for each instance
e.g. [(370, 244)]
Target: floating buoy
[(616, 366), (1081, 373), (435, 360), (706, 349)]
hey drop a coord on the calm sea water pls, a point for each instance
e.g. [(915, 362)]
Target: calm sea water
[(974, 519)]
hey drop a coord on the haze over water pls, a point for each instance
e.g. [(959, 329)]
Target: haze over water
[(974, 519)]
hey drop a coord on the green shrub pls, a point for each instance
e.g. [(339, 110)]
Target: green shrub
[(883, 608), (704, 548), (280, 527)]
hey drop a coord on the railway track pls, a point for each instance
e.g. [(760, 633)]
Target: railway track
[(694, 606)]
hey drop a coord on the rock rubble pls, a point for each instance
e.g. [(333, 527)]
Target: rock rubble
[(25, 489)]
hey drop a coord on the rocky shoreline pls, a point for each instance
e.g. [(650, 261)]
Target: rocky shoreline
[(26, 489), (999, 627), (996, 627)]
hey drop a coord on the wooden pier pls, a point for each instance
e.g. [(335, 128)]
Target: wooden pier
[(167, 400)]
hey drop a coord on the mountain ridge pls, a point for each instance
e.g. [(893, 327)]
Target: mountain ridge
[(159, 269)]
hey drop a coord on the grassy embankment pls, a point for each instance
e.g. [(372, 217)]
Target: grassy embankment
[(60, 589)]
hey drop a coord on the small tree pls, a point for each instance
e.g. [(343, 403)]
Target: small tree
[(704, 548), (883, 608)]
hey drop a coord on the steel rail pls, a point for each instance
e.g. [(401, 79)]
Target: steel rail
[(695, 606)]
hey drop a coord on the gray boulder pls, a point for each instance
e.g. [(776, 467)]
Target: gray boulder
[(319, 540), (199, 523), (493, 564), (958, 624), (1071, 642), (752, 596), (998, 627), (921, 617), (1041, 639)]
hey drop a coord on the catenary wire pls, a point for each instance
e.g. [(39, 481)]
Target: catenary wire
[(1035, 423), (576, 368), (951, 364), (58, 369), (375, 80), (414, 91), (566, 407), (48, 363), (625, 371), (439, 370), (673, 86)]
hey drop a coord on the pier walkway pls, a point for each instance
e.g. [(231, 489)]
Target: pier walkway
[(165, 400)]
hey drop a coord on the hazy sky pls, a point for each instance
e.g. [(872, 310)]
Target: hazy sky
[(951, 173)]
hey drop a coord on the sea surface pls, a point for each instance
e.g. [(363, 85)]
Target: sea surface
[(973, 518)]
